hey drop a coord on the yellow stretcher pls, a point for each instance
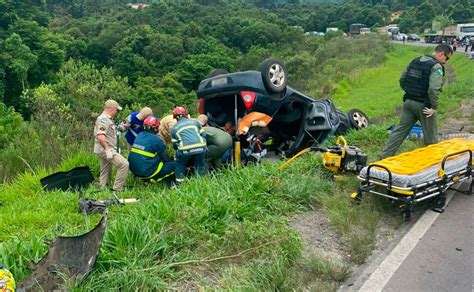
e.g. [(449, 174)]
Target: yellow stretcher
[(418, 175)]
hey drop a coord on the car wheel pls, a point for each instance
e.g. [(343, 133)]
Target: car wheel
[(358, 119), (217, 72), (274, 74)]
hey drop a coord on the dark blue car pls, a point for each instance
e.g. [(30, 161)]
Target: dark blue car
[(299, 121)]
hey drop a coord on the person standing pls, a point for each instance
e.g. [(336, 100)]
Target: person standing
[(133, 124), (454, 44), (467, 43), (148, 154), (422, 82), (218, 143), (189, 141), (105, 146)]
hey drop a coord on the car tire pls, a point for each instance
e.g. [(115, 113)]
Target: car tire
[(274, 75), (358, 119), (217, 72)]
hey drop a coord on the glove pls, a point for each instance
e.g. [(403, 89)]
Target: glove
[(109, 154), (429, 112)]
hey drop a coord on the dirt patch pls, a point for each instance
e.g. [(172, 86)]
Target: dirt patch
[(319, 236), (459, 123)]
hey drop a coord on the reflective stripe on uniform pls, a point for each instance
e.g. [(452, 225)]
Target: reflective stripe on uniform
[(155, 180), (133, 132), (160, 166), (191, 146), (144, 153)]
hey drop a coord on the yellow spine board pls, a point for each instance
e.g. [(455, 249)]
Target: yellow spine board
[(419, 159)]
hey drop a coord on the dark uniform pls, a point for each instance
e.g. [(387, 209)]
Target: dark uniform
[(422, 82), (189, 142), (146, 158), (134, 127)]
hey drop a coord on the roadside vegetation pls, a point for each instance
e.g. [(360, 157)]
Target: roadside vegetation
[(228, 230)]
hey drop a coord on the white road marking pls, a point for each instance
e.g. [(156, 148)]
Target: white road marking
[(389, 266)]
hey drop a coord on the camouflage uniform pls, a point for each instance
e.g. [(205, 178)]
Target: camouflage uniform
[(412, 110)]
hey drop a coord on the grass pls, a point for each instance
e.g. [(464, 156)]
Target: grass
[(228, 230)]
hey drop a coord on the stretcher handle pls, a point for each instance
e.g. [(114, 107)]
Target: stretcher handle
[(469, 163), (389, 183)]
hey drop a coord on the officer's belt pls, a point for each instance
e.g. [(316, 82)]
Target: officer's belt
[(144, 153)]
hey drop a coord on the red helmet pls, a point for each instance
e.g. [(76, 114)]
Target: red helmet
[(179, 111), (152, 123)]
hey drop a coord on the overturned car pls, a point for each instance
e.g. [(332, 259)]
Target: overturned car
[(298, 121)]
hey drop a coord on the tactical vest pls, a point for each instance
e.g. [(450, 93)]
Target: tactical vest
[(136, 127), (418, 80)]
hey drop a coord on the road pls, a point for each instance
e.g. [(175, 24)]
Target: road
[(435, 254), (423, 44)]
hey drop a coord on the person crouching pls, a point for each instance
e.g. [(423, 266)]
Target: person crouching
[(189, 141), (147, 157)]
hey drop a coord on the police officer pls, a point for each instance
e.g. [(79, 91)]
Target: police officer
[(105, 133), (189, 142), (148, 154), (218, 143), (422, 82), (133, 124)]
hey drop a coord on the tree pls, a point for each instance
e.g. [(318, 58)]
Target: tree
[(443, 21), (17, 57)]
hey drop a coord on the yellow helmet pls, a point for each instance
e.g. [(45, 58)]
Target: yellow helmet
[(7, 283)]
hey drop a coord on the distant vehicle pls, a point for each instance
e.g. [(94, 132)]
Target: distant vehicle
[(328, 29), (463, 30), (400, 36), (355, 28), (413, 37), (365, 30), (314, 33), (435, 38), (393, 31)]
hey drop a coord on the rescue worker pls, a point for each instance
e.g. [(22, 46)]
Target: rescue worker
[(133, 124), (218, 142), (105, 133), (189, 142), (148, 154), (166, 124), (422, 82)]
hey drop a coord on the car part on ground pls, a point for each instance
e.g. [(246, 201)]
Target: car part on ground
[(298, 121), (76, 178), (67, 259)]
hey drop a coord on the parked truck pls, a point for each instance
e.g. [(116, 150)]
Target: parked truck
[(355, 28), (464, 30)]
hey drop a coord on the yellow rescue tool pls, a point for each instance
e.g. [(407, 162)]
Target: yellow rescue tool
[(338, 158)]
